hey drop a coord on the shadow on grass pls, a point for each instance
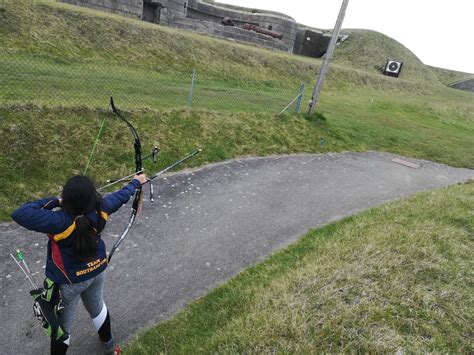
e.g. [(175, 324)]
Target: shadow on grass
[(317, 117)]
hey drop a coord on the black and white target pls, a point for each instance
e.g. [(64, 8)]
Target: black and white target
[(393, 68)]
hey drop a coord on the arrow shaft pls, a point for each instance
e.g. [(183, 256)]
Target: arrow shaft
[(169, 167)]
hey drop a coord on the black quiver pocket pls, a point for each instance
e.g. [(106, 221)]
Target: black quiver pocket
[(46, 307)]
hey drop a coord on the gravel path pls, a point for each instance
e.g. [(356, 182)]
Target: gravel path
[(205, 226)]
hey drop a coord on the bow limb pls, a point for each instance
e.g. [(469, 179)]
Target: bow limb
[(138, 167)]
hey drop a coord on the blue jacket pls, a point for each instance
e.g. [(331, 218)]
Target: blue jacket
[(61, 265)]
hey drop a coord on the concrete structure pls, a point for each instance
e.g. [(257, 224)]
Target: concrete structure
[(466, 84), (164, 12), (205, 18), (311, 43)]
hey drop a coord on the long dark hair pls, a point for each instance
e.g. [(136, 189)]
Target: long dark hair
[(78, 198)]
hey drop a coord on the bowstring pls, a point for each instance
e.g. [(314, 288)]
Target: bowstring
[(95, 145)]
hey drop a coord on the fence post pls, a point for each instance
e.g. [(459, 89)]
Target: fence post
[(298, 102), (297, 99), (190, 96)]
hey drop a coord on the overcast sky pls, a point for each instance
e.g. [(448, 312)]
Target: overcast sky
[(439, 32)]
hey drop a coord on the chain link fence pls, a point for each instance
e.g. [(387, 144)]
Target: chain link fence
[(65, 63), (42, 80)]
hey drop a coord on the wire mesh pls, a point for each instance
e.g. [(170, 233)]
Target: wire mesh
[(53, 57), (38, 79)]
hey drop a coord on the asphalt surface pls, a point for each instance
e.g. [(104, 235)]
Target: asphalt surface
[(205, 226)]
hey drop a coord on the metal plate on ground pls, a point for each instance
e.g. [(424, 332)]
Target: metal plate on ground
[(406, 163)]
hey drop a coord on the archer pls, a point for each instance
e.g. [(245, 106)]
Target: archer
[(76, 258)]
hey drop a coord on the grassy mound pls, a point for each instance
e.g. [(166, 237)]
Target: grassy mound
[(369, 51), (447, 76)]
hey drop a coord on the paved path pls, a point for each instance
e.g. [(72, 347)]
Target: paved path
[(206, 226)]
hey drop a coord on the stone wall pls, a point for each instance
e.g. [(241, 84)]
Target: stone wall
[(197, 16), (130, 8), (465, 84)]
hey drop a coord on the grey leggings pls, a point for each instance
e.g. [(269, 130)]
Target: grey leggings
[(91, 292)]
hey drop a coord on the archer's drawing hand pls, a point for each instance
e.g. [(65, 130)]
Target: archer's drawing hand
[(141, 177)]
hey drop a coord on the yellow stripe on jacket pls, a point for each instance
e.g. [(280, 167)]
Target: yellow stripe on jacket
[(72, 227)]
